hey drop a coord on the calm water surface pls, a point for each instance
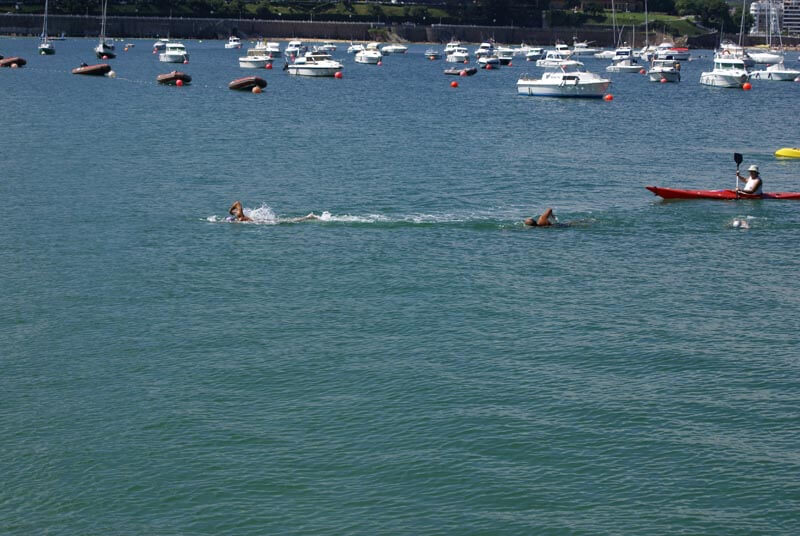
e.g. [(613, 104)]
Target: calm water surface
[(416, 362)]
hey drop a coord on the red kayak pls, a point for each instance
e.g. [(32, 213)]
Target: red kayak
[(675, 193)]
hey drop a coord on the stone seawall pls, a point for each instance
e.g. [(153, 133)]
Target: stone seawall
[(200, 28)]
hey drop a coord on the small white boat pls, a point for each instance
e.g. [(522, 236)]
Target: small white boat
[(582, 48), (766, 56), (488, 62), (624, 63), (433, 54), (730, 50), (355, 48), (327, 46), (160, 45), (394, 48), (553, 58), (457, 55), (727, 72), (174, 53), (309, 65), (604, 54), (567, 80), (451, 46), (778, 72), (534, 54), (669, 70), (368, 56), (563, 50), (504, 54), (233, 42), (669, 48), (295, 49), (484, 49), (255, 59)]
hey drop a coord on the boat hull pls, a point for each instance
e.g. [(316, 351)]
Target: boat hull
[(724, 195), (779, 76), (788, 152), (93, 70), (247, 83), (254, 62), (165, 57), (47, 49), (591, 90), (669, 76), (720, 80), (304, 70)]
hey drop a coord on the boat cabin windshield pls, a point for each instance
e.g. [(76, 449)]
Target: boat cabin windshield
[(729, 65)]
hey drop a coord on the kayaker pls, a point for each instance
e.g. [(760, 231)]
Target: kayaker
[(546, 219), (237, 212), (752, 183)]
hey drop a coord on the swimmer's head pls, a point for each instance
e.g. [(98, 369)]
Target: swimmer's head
[(530, 222)]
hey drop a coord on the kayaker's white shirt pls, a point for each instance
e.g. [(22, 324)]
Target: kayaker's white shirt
[(753, 186)]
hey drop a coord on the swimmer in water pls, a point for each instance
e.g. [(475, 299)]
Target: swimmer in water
[(237, 212), (545, 220)]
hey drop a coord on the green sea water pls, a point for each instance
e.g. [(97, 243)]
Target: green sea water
[(415, 361)]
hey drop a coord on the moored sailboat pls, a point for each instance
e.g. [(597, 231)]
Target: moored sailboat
[(104, 50), (46, 48)]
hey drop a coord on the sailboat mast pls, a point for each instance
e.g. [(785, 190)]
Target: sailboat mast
[(646, 37), (614, 23), (741, 24), (103, 22), (44, 24)]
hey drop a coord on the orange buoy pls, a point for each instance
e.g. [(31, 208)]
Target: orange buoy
[(608, 97), (179, 82), (746, 86), (462, 73), (155, 51), (256, 89), (642, 71), (105, 57), (488, 66), (465, 62), (453, 84), (338, 74), (379, 63), (663, 80), (268, 66), (185, 62), (14, 65), (510, 64), (125, 49)]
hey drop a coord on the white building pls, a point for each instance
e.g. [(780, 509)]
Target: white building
[(767, 17), (791, 16)]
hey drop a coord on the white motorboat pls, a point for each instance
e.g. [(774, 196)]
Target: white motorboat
[(523, 49), (647, 53), (160, 45), (309, 65), (552, 59), (433, 54), (488, 62), (669, 48), (604, 54), (582, 48), (394, 48), (567, 80), (727, 72), (669, 70), (534, 54), (624, 62), (451, 46), (255, 59), (46, 47), (766, 56), (174, 53), (354, 48), (563, 50), (371, 56), (327, 46), (458, 55), (730, 50), (484, 49), (778, 72), (104, 50), (504, 54), (233, 42), (295, 49)]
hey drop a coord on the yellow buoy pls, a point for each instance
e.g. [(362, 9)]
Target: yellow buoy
[(788, 152)]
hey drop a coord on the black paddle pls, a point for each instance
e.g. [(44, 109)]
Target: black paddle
[(737, 157)]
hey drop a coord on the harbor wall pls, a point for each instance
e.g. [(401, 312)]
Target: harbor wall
[(207, 28)]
